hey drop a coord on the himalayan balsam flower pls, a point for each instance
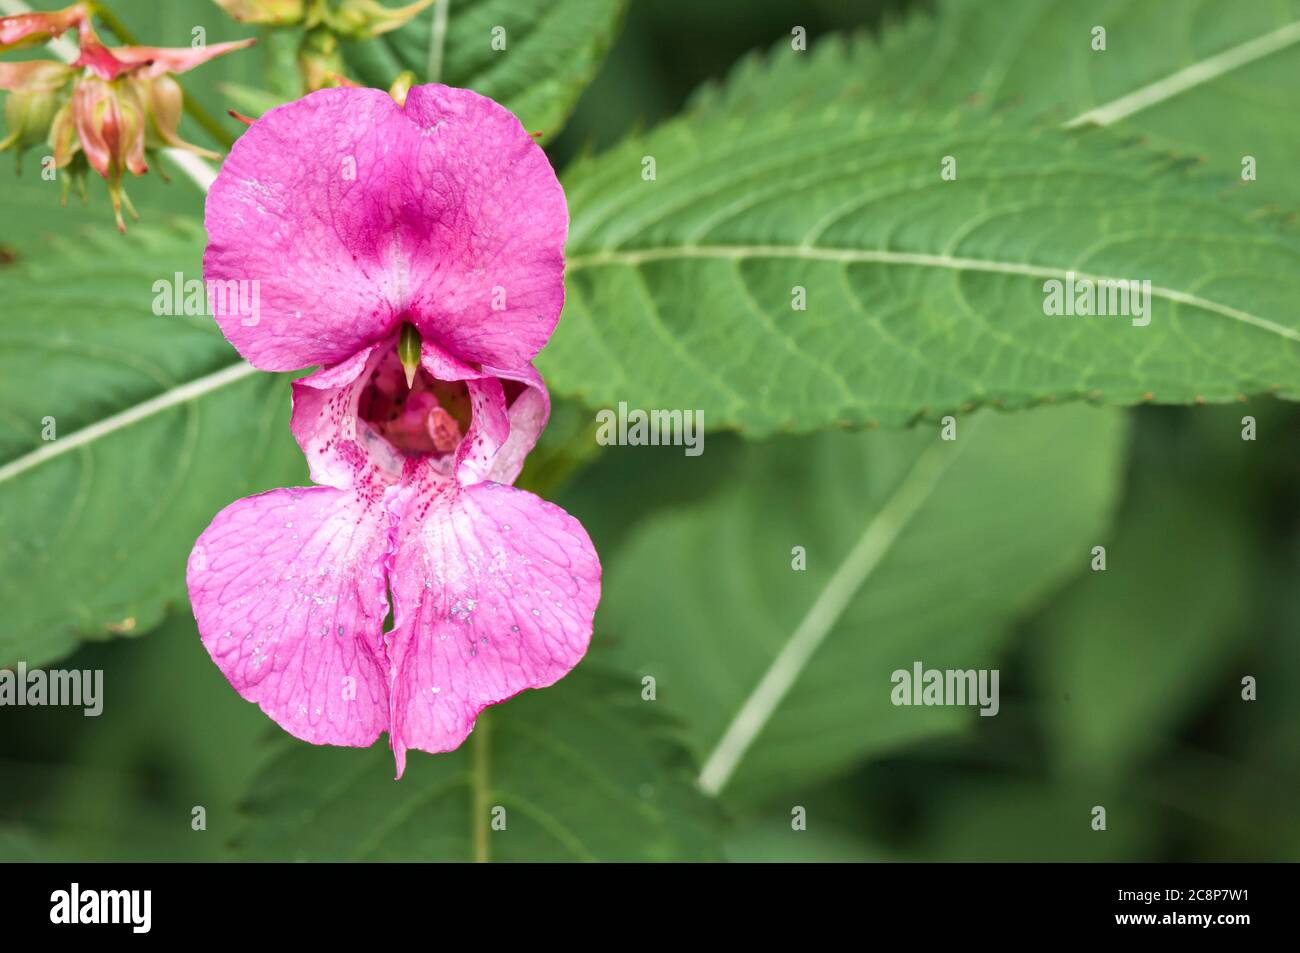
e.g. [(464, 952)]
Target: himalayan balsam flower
[(415, 252), (108, 108)]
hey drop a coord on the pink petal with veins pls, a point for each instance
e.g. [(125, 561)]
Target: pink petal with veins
[(288, 591), (355, 214), (494, 592)]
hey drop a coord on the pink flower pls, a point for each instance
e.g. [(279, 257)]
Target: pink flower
[(364, 223)]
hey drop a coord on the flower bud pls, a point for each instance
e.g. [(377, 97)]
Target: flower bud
[(402, 86), (265, 12), (320, 60), (63, 136), (107, 108), (363, 19), (163, 103), (68, 156), (38, 90), (111, 124)]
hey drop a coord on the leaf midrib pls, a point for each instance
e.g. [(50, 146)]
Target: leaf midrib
[(637, 257), (160, 403), (824, 612), (1189, 77)]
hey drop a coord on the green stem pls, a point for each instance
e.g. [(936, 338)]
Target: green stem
[(482, 796), (193, 108)]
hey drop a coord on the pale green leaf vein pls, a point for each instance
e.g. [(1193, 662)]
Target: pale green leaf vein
[(637, 257)]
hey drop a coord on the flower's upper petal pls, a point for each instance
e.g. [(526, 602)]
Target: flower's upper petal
[(485, 230), (354, 214), (302, 206), (494, 592), (288, 589)]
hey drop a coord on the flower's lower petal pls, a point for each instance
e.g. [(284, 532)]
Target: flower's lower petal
[(288, 589), (494, 592)]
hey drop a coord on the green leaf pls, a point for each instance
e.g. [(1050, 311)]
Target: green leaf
[(19, 845), (585, 770), (30, 209), (173, 736), (552, 51), (771, 840), (1027, 820), (1127, 654), (1213, 92), (157, 425), (827, 824), (917, 549), (923, 296)]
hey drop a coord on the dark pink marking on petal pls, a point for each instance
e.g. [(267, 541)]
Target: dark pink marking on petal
[(489, 428), (342, 450)]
